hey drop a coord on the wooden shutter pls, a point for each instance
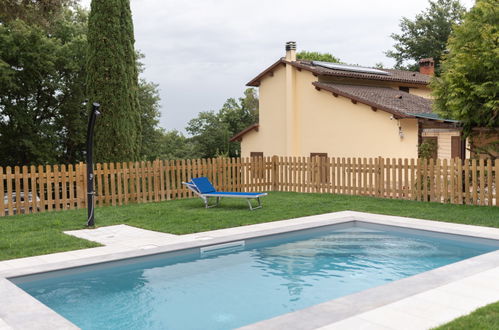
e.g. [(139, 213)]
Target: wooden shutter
[(323, 171), (256, 154), (456, 147), (257, 165)]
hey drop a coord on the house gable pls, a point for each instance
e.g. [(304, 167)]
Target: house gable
[(311, 107)]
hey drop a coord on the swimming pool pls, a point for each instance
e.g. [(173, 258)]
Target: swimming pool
[(241, 282)]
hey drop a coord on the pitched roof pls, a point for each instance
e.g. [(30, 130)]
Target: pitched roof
[(401, 76), (399, 103), (393, 75), (239, 136)]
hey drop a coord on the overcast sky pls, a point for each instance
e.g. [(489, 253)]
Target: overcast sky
[(202, 52)]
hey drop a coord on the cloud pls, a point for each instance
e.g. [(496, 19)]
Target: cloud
[(202, 52)]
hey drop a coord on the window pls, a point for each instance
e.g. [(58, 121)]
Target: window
[(404, 89)]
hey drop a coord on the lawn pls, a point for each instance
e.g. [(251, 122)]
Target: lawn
[(36, 234), (484, 318)]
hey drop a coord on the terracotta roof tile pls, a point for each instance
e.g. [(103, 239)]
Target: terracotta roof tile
[(394, 75), (399, 103), (401, 76)]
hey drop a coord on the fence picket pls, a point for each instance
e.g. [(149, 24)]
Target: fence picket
[(39, 189), (474, 182), (431, 180), (497, 183), (25, 186), (71, 187), (438, 180), (467, 182), (50, 181), (17, 187), (10, 202), (119, 183), (2, 194), (482, 181), (489, 182), (459, 184)]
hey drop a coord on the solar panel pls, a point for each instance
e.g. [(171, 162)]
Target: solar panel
[(350, 68)]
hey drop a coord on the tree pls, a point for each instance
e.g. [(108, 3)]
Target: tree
[(34, 12), (209, 134), (42, 86), (149, 118), (316, 56), (212, 130), (72, 118), (112, 81), (426, 35), (469, 85), (174, 145), (41, 89)]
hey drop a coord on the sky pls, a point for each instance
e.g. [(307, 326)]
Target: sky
[(202, 52)]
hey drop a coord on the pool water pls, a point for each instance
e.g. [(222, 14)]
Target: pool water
[(265, 278)]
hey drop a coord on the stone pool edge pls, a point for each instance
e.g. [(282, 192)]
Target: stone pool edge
[(23, 311)]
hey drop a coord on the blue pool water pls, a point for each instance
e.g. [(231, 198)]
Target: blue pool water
[(265, 278)]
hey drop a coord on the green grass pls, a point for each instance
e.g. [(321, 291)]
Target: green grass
[(484, 318), (36, 234)]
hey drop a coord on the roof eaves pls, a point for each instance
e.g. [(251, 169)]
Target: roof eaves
[(255, 82), (239, 136), (397, 114), (434, 117)]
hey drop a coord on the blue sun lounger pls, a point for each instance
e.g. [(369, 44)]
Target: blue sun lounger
[(203, 188)]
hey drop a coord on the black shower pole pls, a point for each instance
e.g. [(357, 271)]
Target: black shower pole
[(90, 164)]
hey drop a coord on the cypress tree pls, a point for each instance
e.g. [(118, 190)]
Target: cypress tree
[(112, 80)]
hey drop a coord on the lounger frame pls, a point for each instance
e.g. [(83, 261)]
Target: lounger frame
[(218, 197)]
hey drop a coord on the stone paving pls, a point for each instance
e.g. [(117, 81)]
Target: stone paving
[(461, 293), (123, 236)]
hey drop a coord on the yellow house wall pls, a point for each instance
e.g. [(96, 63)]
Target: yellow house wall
[(342, 129), (323, 123), (271, 136)]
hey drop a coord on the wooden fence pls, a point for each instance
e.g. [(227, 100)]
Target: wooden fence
[(47, 188)]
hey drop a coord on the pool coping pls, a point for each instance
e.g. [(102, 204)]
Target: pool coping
[(23, 311)]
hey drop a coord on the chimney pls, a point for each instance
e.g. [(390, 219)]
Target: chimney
[(291, 51), (427, 66)]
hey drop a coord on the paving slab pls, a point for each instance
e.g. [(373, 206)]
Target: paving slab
[(123, 235)]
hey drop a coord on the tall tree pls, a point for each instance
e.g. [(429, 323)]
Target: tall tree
[(112, 80), (426, 35), (316, 56), (469, 85)]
